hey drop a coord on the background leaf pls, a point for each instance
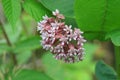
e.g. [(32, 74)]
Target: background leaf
[(97, 16), (65, 6), (4, 48), (31, 75), (13, 35), (35, 9), (12, 9), (28, 44), (24, 56), (115, 37), (104, 72)]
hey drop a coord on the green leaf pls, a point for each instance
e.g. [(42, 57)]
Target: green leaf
[(24, 56), (12, 9), (104, 72), (31, 75), (114, 36), (65, 6), (13, 35), (89, 35), (4, 48), (97, 16), (28, 44), (71, 21), (35, 9), (89, 14)]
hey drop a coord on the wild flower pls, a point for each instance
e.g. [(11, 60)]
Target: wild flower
[(63, 42)]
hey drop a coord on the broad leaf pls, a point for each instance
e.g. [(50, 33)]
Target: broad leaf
[(91, 35), (12, 9), (24, 56), (35, 9), (65, 6), (28, 44), (104, 72), (13, 35), (31, 75), (97, 16), (115, 37)]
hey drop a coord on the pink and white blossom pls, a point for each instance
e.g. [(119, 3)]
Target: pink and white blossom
[(65, 44)]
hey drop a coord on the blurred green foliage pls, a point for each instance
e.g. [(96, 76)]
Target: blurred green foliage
[(23, 75), (104, 72)]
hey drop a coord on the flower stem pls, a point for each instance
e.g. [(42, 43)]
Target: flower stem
[(117, 60)]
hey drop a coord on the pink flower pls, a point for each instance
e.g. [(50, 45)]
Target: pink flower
[(58, 15), (65, 44)]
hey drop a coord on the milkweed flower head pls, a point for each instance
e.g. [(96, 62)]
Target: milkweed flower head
[(64, 42)]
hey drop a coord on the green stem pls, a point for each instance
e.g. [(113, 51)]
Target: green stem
[(117, 60)]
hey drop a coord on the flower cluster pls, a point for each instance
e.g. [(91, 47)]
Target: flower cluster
[(64, 43)]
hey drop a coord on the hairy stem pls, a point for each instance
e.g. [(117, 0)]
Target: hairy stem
[(117, 60)]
